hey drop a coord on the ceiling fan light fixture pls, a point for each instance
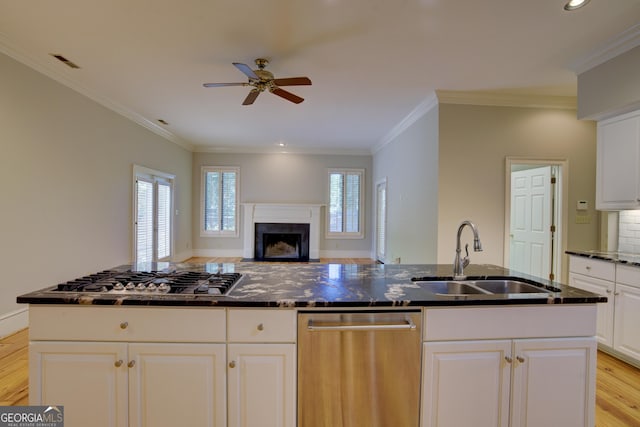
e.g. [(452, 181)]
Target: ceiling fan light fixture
[(575, 4)]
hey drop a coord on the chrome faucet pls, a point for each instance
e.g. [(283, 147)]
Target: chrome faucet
[(459, 264)]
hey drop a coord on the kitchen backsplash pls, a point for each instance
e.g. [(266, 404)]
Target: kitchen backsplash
[(629, 231)]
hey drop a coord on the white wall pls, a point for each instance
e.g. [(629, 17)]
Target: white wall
[(66, 183), (410, 165), (474, 143), (284, 178)]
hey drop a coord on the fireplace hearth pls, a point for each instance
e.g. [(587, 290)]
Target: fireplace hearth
[(281, 242)]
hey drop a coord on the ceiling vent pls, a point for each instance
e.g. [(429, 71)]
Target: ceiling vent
[(64, 60)]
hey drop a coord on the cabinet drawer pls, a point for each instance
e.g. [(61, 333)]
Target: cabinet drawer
[(628, 275), (595, 268), (141, 324), (262, 325)]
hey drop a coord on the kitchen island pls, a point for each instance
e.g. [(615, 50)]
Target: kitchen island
[(128, 359)]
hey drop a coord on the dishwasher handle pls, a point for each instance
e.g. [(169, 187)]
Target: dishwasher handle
[(406, 324)]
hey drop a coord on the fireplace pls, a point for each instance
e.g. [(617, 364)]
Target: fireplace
[(281, 213), (281, 242)]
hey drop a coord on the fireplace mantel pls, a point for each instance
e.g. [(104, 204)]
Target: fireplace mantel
[(295, 213)]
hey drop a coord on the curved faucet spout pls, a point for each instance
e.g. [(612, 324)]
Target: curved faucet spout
[(460, 263)]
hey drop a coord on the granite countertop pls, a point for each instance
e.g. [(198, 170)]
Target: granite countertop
[(323, 285), (616, 257)]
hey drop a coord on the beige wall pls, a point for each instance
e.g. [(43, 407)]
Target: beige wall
[(409, 163), (474, 143), (610, 88), (66, 183), (281, 178)]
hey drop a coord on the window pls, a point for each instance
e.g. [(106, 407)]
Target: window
[(219, 201), (152, 215), (344, 215)]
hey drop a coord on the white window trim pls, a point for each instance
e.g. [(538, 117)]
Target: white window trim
[(151, 175), (209, 233), (380, 252), (344, 234)]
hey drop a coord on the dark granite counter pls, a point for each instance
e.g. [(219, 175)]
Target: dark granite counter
[(616, 257), (322, 285)]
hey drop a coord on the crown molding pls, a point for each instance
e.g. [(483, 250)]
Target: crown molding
[(219, 149), (507, 100), (620, 44), (44, 68), (430, 102)]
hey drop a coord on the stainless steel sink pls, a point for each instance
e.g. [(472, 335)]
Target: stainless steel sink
[(480, 287), (508, 287), (450, 288)]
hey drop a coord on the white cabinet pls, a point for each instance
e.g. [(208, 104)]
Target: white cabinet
[(618, 163), (262, 368), (122, 383), (598, 277), (515, 380), (618, 324), (466, 383), (176, 384), (552, 382), (626, 337), (82, 377)]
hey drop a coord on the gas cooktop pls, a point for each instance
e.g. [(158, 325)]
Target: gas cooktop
[(153, 282)]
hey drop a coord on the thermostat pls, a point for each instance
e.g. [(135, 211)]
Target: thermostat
[(583, 205)]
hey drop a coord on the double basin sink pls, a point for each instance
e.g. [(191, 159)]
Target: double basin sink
[(469, 288)]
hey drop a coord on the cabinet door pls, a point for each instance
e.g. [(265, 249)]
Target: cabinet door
[(88, 379), (626, 338), (554, 383), (604, 326), (177, 385), (618, 175), (466, 383), (262, 385)]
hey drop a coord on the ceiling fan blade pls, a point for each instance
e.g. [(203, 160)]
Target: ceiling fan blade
[(223, 84), (292, 81), (287, 95), (246, 70), (251, 97)]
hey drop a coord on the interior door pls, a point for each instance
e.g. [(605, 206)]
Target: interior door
[(531, 210)]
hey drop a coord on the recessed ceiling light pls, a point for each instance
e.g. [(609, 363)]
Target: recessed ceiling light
[(282, 144), (575, 4)]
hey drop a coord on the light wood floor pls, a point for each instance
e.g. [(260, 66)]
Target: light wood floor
[(617, 383)]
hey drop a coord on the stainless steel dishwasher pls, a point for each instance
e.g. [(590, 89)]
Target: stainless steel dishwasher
[(359, 369)]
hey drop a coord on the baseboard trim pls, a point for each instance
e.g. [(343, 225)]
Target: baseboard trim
[(14, 321)]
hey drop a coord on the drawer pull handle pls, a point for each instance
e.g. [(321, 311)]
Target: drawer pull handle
[(124, 325), (616, 293), (131, 364), (260, 327), (588, 267), (520, 359), (508, 359), (118, 363), (608, 291), (232, 364)]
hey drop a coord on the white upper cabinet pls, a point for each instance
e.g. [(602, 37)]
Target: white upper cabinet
[(618, 165)]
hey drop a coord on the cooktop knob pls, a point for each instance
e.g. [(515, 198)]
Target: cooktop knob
[(163, 287), (151, 287), (118, 286), (140, 287), (130, 286)]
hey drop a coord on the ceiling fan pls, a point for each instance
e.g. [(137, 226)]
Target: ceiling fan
[(262, 80)]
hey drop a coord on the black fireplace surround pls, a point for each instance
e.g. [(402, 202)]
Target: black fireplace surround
[(281, 242)]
